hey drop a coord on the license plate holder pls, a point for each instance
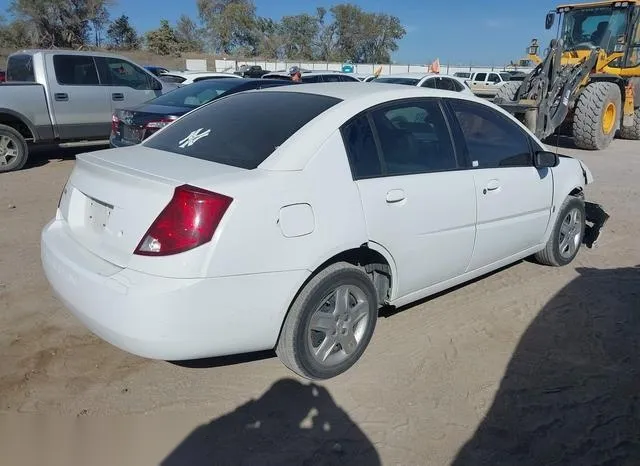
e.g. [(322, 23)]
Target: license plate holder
[(98, 214)]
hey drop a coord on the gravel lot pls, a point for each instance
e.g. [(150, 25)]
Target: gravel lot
[(530, 365)]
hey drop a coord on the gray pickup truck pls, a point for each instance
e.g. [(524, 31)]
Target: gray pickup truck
[(66, 97)]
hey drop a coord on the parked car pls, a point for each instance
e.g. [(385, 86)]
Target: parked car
[(251, 71), (157, 70), (62, 97), (132, 125), (310, 77), (286, 217), (487, 84), (431, 80), (462, 74), (3, 76), (184, 78)]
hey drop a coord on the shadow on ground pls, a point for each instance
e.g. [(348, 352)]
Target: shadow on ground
[(571, 392), (291, 424), (42, 155)]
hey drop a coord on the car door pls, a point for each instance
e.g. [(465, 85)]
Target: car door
[(418, 201), (493, 83), (79, 103), (128, 84), (478, 82), (514, 198)]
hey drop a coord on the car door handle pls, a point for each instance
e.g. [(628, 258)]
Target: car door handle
[(117, 96), (61, 96), (395, 195), (492, 185)]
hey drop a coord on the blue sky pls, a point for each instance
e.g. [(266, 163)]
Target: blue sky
[(466, 31)]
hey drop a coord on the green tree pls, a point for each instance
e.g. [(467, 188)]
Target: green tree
[(164, 40), (189, 35), (300, 35), (59, 23), (98, 22), (17, 34), (122, 35), (230, 24)]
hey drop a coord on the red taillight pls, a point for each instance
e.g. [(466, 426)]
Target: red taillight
[(189, 220), (115, 123)]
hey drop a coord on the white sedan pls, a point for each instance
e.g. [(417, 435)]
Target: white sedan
[(429, 80), (285, 218)]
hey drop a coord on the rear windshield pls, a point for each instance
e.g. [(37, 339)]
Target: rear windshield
[(241, 130), (20, 68), (407, 81), (197, 93)]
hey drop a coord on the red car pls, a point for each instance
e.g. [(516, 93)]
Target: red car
[(3, 76)]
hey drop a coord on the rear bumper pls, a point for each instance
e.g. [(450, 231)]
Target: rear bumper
[(163, 318)]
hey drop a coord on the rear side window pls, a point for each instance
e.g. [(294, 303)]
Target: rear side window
[(20, 68), (241, 130), (75, 70), (361, 148), (492, 140)]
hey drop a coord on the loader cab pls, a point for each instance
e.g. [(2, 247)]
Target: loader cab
[(604, 25)]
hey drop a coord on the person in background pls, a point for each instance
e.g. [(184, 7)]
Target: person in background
[(295, 74)]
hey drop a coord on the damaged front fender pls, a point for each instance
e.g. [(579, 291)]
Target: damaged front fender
[(596, 218)]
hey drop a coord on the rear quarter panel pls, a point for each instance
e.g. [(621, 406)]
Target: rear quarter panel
[(251, 239), (27, 101)]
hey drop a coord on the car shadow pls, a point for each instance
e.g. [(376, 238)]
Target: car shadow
[(571, 392), (43, 155), (291, 424)]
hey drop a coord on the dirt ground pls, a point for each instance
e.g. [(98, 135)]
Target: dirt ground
[(530, 365)]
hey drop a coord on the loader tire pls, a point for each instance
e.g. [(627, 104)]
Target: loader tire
[(507, 92), (632, 132), (597, 116)]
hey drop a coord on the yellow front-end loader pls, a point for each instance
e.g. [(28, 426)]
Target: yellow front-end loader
[(588, 84)]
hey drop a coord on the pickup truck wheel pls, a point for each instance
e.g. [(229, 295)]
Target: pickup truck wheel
[(13, 149), (330, 323), (567, 235), (597, 116), (632, 132)]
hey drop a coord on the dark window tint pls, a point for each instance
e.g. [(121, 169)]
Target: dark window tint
[(317, 78), (20, 68), (198, 93), (494, 78), (75, 70), (480, 77), (361, 148), (118, 72), (332, 78), (431, 83), (407, 81), (414, 138), (492, 140), (241, 130), (170, 78), (448, 85)]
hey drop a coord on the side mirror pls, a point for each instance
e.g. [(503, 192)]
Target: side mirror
[(545, 159), (549, 20)]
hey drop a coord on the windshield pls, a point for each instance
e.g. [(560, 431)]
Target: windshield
[(586, 28), (407, 81), (196, 94)]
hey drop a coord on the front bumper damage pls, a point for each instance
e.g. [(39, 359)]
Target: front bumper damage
[(596, 218)]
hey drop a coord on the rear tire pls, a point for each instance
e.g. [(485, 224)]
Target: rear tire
[(508, 91), (14, 151), (632, 132), (322, 335), (594, 125), (567, 235)]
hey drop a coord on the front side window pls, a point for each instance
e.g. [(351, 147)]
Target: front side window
[(75, 70), (494, 78), (414, 138), (241, 130), (492, 141), (586, 28), (118, 72), (633, 59)]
